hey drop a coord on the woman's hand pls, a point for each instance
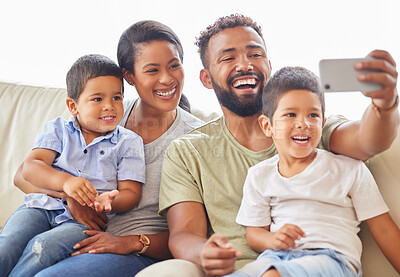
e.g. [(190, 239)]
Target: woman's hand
[(87, 215), (103, 242)]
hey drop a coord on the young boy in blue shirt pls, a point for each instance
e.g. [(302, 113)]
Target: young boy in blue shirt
[(90, 158), (302, 208)]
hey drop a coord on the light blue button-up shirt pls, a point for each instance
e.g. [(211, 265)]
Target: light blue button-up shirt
[(116, 156)]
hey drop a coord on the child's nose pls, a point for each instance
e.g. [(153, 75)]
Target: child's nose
[(303, 123), (108, 105)]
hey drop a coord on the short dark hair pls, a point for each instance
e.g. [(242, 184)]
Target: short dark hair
[(143, 32), (88, 67), (222, 23), (287, 79)]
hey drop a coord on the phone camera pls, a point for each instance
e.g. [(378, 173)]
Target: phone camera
[(327, 86)]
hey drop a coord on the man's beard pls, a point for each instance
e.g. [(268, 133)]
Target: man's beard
[(243, 105)]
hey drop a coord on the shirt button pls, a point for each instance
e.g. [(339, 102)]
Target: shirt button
[(102, 152), (85, 151)]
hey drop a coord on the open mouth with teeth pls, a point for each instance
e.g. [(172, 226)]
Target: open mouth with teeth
[(166, 93), (301, 139), (245, 83), (106, 118)]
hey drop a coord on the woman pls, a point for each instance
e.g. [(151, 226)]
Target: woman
[(150, 56)]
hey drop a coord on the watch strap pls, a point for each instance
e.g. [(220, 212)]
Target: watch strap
[(146, 243)]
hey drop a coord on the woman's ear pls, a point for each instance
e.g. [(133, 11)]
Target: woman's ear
[(205, 78), (72, 106), (266, 125), (128, 76)]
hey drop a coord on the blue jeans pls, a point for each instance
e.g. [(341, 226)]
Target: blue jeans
[(302, 263), (31, 241), (90, 265)]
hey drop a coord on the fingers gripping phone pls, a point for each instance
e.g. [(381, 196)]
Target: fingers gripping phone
[(339, 75)]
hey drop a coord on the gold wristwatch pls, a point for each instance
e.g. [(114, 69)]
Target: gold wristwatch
[(146, 243)]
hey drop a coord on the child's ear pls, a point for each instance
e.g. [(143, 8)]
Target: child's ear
[(72, 106), (206, 79), (265, 124)]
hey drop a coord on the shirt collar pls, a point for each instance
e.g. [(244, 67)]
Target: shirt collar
[(73, 125)]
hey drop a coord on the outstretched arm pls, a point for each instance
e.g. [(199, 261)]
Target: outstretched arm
[(375, 132), (128, 197), (188, 240), (387, 235)]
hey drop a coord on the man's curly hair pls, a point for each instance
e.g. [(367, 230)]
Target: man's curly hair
[(222, 23)]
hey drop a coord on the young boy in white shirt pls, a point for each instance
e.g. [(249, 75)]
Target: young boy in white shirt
[(302, 208)]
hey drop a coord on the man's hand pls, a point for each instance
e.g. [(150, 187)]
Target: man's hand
[(104, 201), (103, 242), (217, 257), (285, 238), (87, 216), (81, 190), (383, 61)]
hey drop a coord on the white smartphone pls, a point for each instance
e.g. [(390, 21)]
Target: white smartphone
[(340, 75)]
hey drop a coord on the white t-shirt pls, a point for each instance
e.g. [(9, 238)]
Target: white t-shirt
[(327, 201)]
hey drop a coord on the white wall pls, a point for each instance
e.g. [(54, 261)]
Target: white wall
[(39, 40)]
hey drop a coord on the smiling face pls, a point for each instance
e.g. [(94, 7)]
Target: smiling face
[(238, 68), (158, 75), (296, 126), (99, 108)]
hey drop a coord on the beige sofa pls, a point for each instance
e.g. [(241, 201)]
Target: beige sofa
[(25, 109)]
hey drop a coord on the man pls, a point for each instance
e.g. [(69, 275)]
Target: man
[(204, 171)]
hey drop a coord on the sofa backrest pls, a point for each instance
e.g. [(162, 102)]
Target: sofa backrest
[(25, 110)]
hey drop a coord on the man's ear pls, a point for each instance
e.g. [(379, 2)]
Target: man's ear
[(205, 78), (72, 106), (265, 124), (128, 76)]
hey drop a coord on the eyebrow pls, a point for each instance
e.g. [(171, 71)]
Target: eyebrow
[(315, 108), (101, 93), (249, 47), (156, 64)]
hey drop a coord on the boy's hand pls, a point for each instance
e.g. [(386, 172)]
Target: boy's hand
[(104, 201), (285, 238), (81, 190), (384, 98)]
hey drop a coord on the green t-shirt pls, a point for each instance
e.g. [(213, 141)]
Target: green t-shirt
[(209, 166)]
